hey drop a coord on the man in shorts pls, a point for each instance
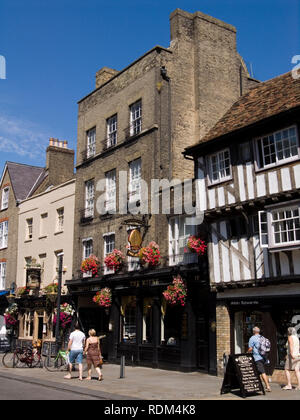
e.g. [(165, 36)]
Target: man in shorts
[(254, 344), (75, 347)]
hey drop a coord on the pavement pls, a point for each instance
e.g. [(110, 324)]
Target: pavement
[(139, 383)]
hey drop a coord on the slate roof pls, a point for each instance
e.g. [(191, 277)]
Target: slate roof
[(24, 177), (265, 100)]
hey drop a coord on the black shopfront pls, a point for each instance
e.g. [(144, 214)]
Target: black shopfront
[(272, 312), (142, 327)]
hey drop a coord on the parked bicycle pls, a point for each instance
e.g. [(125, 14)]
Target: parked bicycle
[(60, 362), (22, 357)]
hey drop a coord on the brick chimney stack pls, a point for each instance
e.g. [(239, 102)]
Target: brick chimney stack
[(59, 162), (104, 75)]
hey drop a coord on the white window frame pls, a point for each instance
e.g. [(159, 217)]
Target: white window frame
[(43, 233), (28, 317), (91, 142), (220, 158), (86, 254), (261, 165), (3, 234), (60, 214), (135, 177), (136, 118), (89, 198), (108, 247), (2, 275), (29, 229), (267, 216), (178, 242), (112, 131), (5, 198), (111, 191)]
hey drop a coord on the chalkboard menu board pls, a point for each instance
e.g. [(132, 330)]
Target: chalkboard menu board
[(241, 373)]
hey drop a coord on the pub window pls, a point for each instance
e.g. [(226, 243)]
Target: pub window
[(147, 320), (128, 319), (277, 147), (28, 324), (172, 326)]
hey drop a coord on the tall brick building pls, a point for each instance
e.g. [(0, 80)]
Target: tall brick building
[(138, 121)]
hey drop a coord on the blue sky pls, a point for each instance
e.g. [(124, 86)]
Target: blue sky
[(54, 48)]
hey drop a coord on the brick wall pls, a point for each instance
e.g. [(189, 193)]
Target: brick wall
[(223, 335)]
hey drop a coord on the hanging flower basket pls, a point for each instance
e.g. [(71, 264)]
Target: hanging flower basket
[(103, 298), (150, 254), (90, 265), (176, 292), (10, 315), (115, 260), (196, 245), (66, 316)]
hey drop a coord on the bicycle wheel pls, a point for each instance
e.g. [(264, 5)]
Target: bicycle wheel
[(55, 364), (36, 360), (11, 360)]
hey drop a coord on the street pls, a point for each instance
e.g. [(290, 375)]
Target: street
[(139, 384), (12, 389)]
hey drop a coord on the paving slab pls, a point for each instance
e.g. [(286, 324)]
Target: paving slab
[(142, 384)]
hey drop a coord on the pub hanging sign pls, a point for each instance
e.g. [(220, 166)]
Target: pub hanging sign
[(33, 278), (135, 241)]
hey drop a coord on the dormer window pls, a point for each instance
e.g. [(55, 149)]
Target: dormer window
[(219, 166), (276, 148)]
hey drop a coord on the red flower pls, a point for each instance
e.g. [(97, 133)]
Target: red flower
[(103, 298), (90, 264), (114, 260), (176, 293), (196, 245), (150, 254)]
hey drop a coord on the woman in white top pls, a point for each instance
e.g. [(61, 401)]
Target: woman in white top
[(292, 358)]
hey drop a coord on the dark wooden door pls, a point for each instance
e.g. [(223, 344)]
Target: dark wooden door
[(202, 343)]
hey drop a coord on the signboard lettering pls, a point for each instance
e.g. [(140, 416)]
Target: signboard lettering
[(241, 373)]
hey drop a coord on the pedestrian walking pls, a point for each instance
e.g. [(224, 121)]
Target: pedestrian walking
[(292, 362), (93, 355), (75, 349), (254, 348)]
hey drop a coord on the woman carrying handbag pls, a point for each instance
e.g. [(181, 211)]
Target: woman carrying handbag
[(93, 355)]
